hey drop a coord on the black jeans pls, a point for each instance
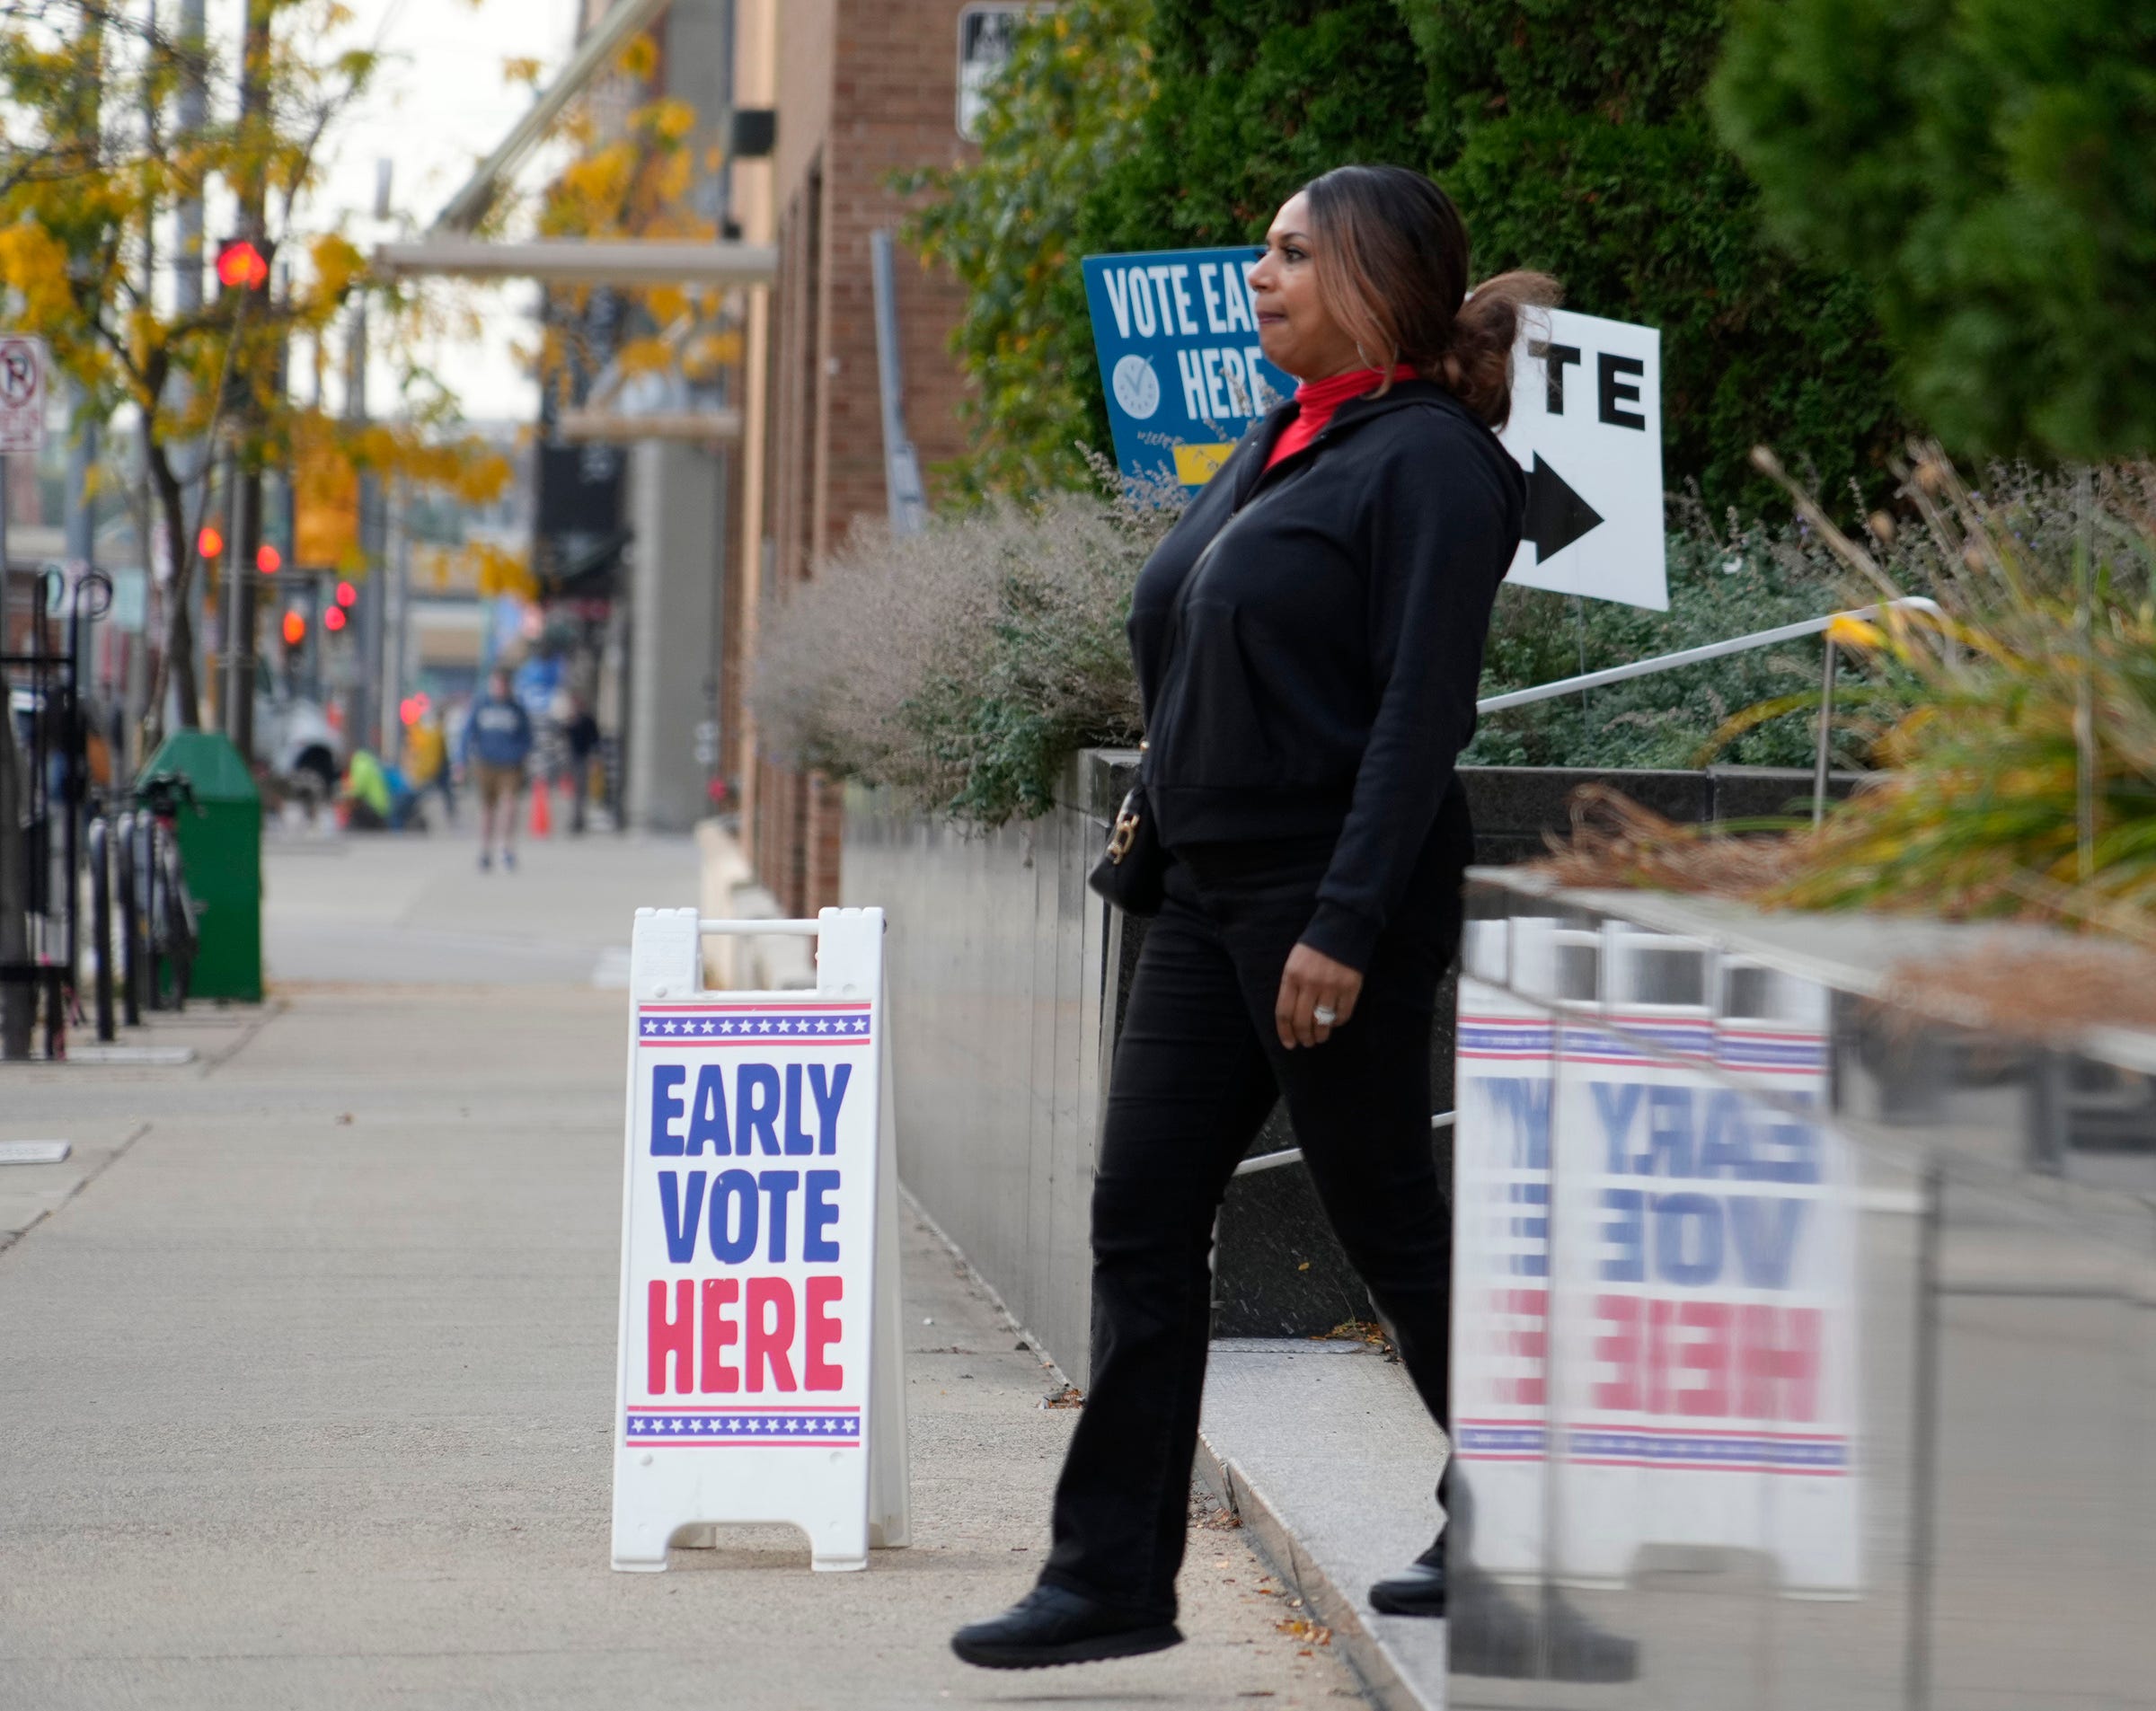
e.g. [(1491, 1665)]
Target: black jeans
[(1197, 1070)]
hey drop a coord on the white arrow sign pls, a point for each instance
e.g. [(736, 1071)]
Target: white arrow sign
[(1586, 427)]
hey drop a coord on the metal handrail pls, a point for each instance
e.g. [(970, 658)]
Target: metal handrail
[(1690, 656), (1648, 668), (1288, 1155)]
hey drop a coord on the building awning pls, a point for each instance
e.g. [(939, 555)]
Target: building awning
[(593, 55), (621, 261)]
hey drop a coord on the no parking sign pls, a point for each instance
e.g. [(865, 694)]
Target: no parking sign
[(759, 1356), (23, 366)]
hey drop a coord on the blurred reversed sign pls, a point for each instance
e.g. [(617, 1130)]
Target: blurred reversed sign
[(1587, 425), (580, 488), (1654, 1285), (986, 36), (22, 393), (759, 1331), (1177, 334)]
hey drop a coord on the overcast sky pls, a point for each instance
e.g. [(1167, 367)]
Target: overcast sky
[(439, 105)]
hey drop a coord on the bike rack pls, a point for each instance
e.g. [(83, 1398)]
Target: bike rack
[(53, 679)]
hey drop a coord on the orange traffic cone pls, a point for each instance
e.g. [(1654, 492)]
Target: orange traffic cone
[(542, 819)]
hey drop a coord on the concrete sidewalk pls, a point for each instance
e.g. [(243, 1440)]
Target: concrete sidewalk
[(308, 1384), (411, 908)]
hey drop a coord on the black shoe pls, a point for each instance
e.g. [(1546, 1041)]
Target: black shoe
[(1581, 1651), (1054, 1624), (1545, 1638), (1417, 1590)]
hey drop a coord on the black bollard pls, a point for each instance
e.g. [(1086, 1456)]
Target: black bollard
[(130, 918), (146, 907), (100, 923)]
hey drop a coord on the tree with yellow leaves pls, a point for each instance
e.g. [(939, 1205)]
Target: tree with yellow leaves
[(93, 161), (632, 173)]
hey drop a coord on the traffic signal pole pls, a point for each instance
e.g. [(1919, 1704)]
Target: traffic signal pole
[(185, 628), (368, 725), (246, 536)]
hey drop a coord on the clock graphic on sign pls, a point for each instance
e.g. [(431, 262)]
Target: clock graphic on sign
[(1137, 387)]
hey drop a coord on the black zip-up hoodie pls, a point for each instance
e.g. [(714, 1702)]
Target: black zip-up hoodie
[(1309, 642)]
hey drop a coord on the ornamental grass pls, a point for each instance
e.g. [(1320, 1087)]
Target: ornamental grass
[(2021, 779)]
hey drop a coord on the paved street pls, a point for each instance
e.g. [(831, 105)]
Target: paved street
[(309, 1354)]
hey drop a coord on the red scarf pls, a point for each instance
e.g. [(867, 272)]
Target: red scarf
[(1315, 401)]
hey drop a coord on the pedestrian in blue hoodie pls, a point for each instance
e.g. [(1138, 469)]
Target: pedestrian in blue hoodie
[(498, 742)]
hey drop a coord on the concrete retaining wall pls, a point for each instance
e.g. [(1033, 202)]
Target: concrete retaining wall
[(1007, 975)]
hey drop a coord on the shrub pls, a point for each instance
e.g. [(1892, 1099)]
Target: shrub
[(966, 664), (1991, 170), (2021, 781), (1720, 586), (1573, 135)]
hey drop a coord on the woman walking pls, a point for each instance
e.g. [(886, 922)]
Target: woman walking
[(1307, 641)]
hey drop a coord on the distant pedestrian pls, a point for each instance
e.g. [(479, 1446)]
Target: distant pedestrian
[(427, 763), (1308, 640), (581, 733), (368, 799), (498, 745)]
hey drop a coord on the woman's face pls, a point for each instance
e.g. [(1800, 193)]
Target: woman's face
[(1293, 327)]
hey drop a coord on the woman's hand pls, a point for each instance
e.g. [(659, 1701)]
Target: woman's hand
[(1313, 981)]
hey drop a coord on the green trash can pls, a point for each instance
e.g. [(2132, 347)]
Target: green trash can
[(221, 845)]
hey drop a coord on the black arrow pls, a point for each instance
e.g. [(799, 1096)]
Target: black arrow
[(1556, 516)]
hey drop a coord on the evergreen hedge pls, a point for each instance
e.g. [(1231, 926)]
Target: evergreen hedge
[(1991, 169), (1574, 136)]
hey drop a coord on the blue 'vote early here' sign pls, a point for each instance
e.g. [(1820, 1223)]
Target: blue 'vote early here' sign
[(1177, 334)]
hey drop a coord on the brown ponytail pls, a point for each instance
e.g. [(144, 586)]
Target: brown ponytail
[(1392, 255)]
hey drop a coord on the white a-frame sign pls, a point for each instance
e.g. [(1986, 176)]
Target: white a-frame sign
[(760, 1367)]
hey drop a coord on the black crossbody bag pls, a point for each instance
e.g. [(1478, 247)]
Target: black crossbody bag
[(1133, 871)]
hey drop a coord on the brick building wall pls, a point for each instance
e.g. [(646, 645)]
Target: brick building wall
[(865, 89)]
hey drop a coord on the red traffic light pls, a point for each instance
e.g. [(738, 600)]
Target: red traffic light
[(242, 265), (209, 542), (295, 628), (333, 618), (268, 560), (345, 593)]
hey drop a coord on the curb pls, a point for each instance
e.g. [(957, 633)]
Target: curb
[(1376, 1667)]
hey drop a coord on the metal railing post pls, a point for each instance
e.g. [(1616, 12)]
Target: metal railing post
[(1820, 759), (1924, 1447)]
